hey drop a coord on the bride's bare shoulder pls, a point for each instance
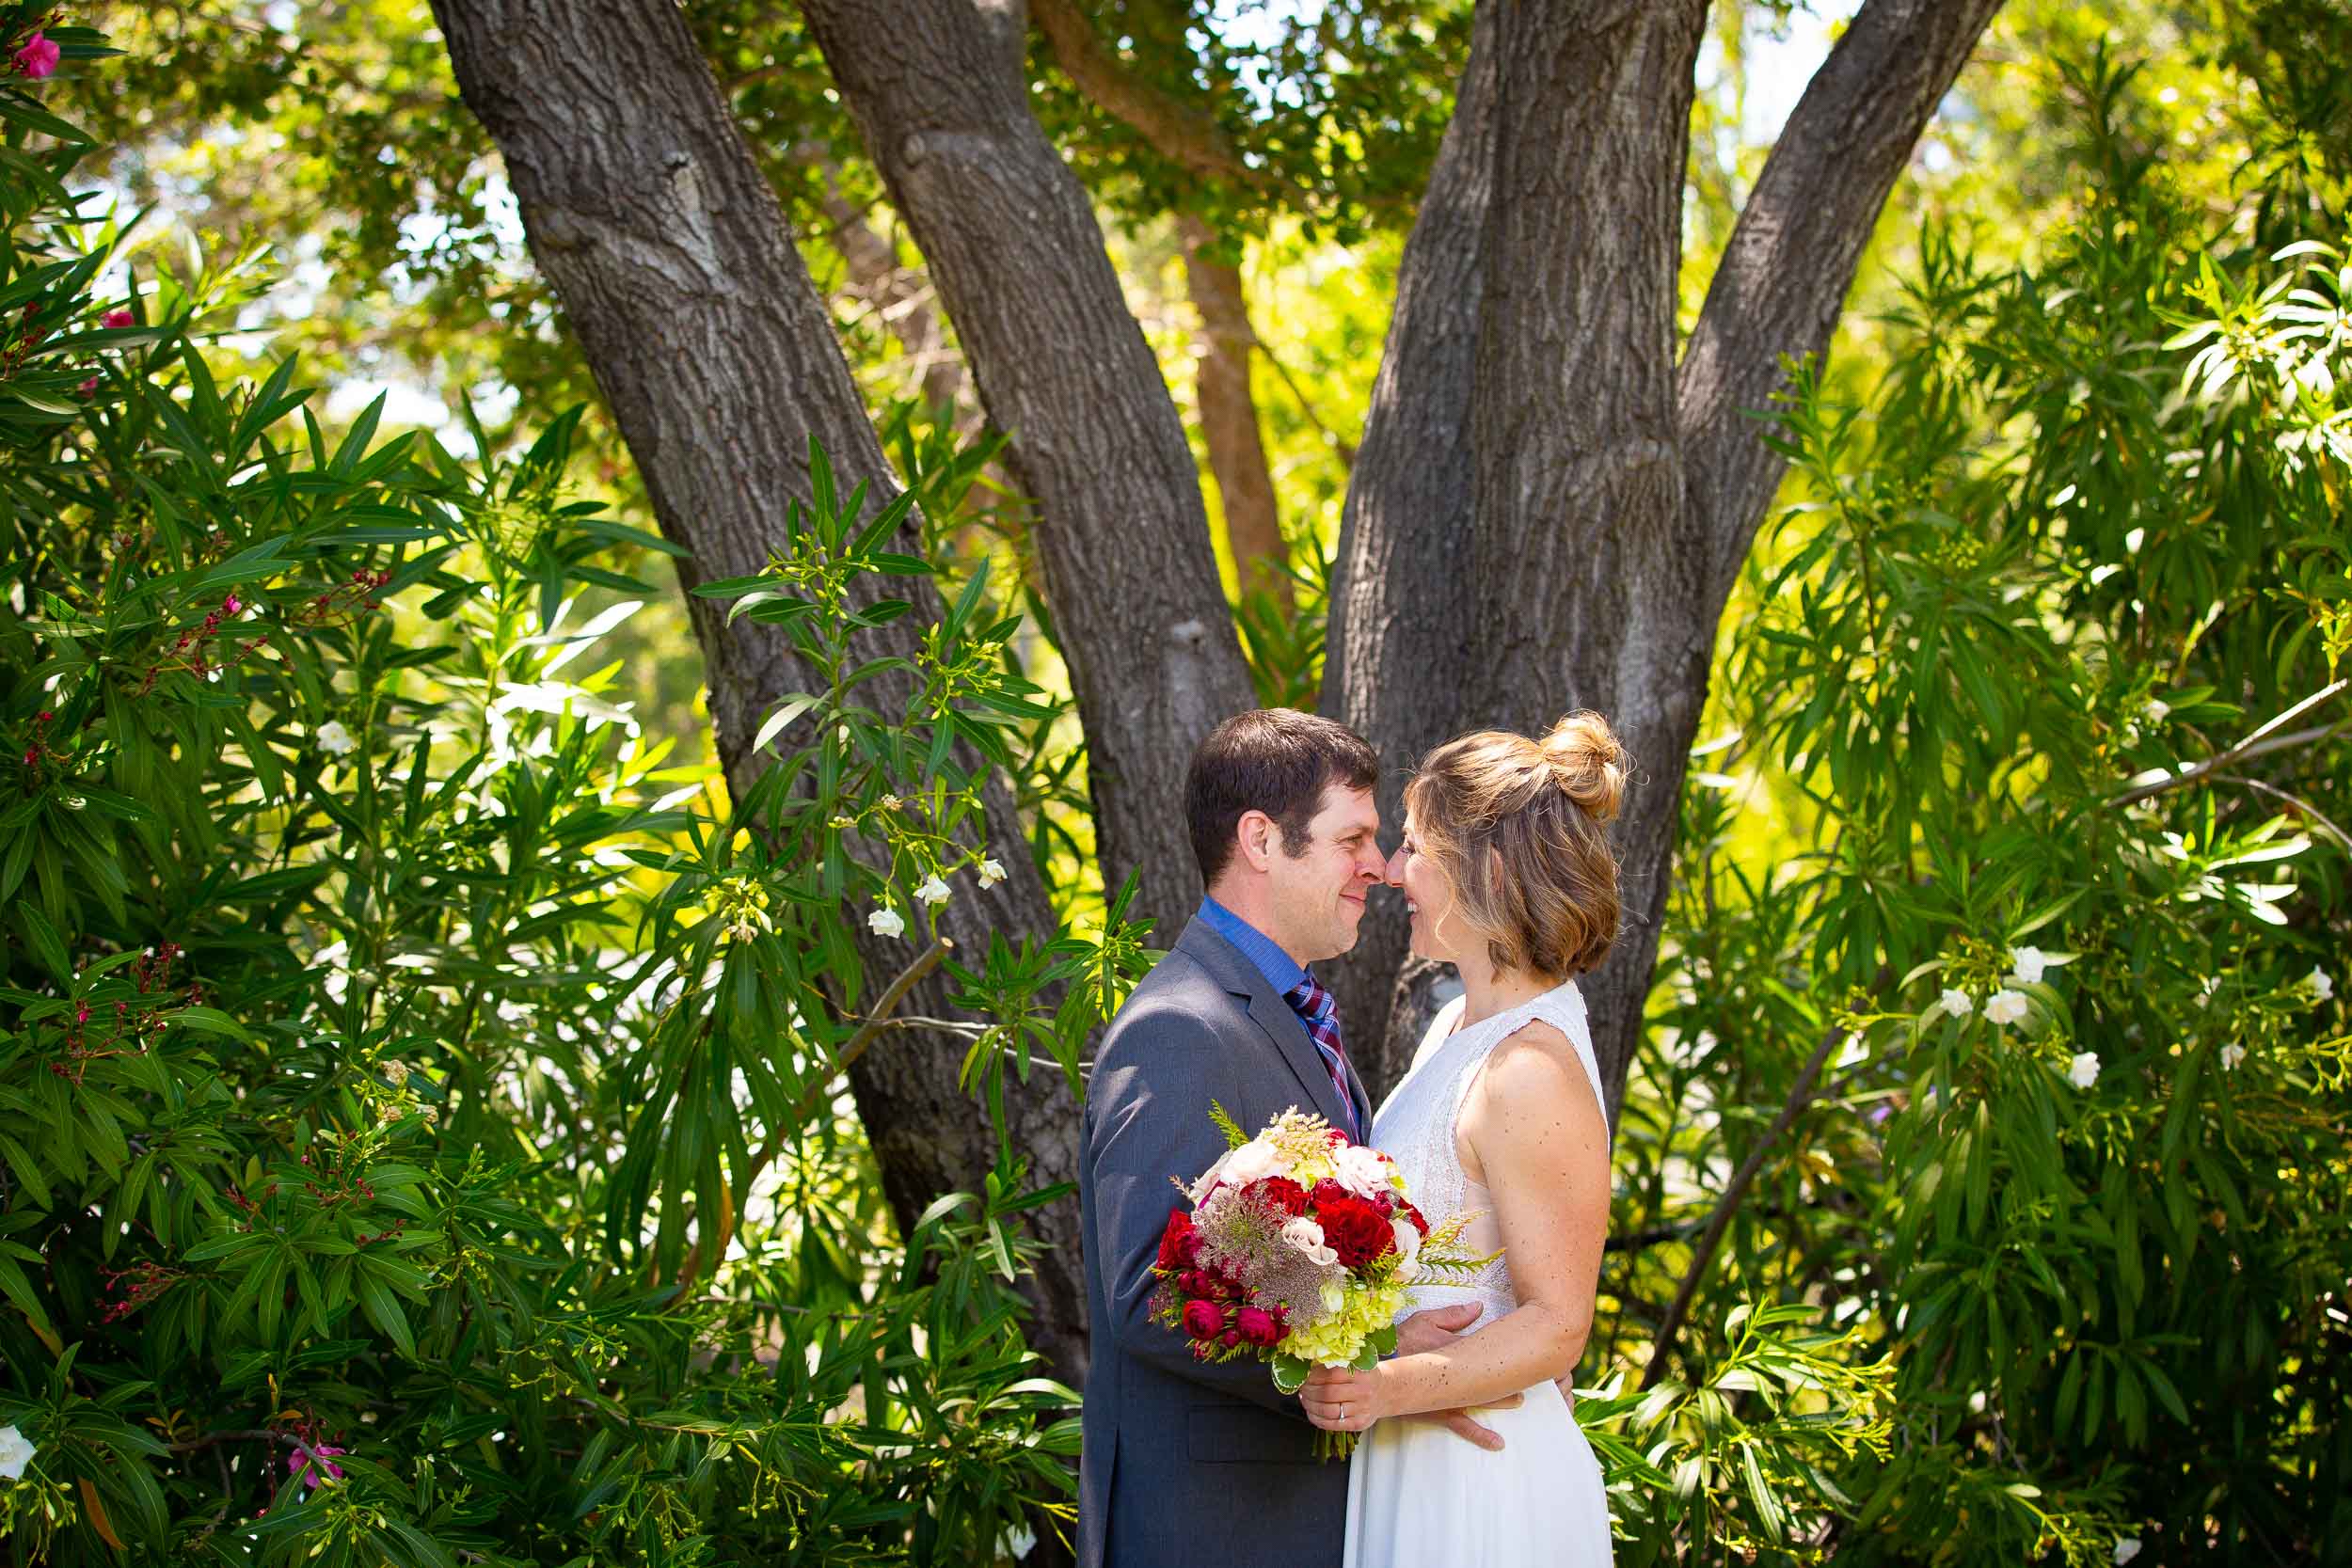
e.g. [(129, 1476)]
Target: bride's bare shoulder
[(1537, 1062)]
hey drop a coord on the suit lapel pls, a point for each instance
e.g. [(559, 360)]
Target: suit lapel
[(1270, 1013)]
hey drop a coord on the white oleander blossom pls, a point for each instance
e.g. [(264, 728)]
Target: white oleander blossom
[(933, 891), (334, 739), (2006, 1006), (2322, 987), (991, 872), (2126, 1549), (2029, 964), (2083, 1071), (2232, 1055), (2158, 711), (886, 922), (15, 1453), (1956, 1002)]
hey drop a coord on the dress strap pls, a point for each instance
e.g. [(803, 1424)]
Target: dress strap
[(1564, 1010)]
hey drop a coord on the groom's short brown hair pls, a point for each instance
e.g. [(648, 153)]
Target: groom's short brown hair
[(1276, 760)]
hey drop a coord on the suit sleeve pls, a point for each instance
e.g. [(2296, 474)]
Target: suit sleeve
[(1149, 1102)]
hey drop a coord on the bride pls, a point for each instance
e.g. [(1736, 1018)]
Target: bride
[(1510, 878)]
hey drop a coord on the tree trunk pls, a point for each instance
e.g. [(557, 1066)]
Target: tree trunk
[(1400, 634), (666, 245), (1229, 417), (1614, 495), (1062, 366)]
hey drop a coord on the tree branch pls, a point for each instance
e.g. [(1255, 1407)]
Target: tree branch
[(1799, 1097), (1184, 134), (1783, 279), (2259, 743), (1010, 239), (2293, 801), (811, 1098)]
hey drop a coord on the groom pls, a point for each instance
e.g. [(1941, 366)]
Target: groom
[(1187, 1464)]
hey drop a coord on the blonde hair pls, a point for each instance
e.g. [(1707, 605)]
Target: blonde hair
[(1517, 827)]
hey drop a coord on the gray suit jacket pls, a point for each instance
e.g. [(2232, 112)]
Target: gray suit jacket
[(1187, 1463)]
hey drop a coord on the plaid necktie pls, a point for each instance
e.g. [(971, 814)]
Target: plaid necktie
[(1321, 1015)]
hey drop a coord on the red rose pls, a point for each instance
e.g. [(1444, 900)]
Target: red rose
[(1355, 1230), (1282, 1192), (1385, 1202), (1204, 1319), (1178, 1243), (1258, 1328), (1328, 1190)]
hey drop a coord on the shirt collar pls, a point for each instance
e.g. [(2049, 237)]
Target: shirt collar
[(1281, 971)]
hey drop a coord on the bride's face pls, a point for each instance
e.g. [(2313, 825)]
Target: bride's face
[(1428, 895)]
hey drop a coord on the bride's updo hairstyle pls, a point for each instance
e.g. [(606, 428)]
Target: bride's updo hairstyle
[(1517, 826)]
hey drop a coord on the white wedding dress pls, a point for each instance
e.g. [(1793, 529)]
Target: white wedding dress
[(1419, 1497)]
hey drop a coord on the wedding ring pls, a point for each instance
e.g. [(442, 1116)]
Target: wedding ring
[(1342, 1413)]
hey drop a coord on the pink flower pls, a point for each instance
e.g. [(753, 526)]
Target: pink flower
[(299, 1464), (1204, 1319), (1256, 1327), (117, 318), (38, 57), (87, 387)]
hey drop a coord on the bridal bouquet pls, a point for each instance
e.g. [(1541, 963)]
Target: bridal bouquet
[(1297, 1250)]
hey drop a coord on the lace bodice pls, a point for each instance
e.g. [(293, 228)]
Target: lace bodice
[(1415, 1126)]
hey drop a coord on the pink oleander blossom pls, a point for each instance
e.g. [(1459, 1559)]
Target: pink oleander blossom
[(38, 57), (118, 319), (299, 1464)]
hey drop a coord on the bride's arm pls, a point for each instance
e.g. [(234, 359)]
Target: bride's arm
[(1539, 1135)]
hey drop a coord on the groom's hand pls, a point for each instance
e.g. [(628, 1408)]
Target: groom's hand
[(1435, 1330)]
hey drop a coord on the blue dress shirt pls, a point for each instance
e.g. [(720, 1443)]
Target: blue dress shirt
[(1281, 970)]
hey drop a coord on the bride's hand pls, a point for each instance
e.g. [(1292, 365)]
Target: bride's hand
[(1338, 1399)]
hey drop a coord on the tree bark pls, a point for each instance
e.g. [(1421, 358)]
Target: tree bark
[(1781, 281), (1556, 520), (707, 337), (1229, 417), (1399, 640), (1584, 593), (1062, 366)]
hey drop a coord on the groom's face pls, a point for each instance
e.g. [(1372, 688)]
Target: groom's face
[(1318, 896)]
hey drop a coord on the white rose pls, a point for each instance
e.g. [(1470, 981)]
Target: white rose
[(1956, 1003), (2322, 987), (15, 1453), (1407, 1238), (886, 922), (2006, 1006), (1307, 1236), (2083, 1071), (2126, 1549), (933, 891), (2232, 1055), (1361, 1170), (1209, 1178), (334, 739), (991, 872), (2027, 963), (1253, 1162)]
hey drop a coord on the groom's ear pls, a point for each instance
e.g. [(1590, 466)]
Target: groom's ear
[(1257, 839)]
